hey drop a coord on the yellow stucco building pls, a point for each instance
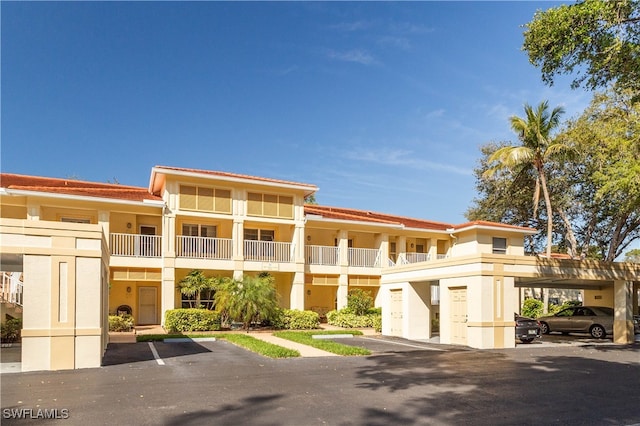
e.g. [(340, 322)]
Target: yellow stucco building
[(86, 249)]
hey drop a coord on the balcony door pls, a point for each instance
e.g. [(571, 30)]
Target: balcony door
[(147, 247), (202, 242)]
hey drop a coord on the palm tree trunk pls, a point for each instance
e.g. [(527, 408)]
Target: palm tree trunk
[(547, 202)]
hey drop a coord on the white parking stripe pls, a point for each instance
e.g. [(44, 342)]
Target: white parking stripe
[(155, 354), (402, 344)]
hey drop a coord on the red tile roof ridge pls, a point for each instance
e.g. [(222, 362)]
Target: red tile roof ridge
[(384, 217), (68, 182), (235, 175), (75, 187)]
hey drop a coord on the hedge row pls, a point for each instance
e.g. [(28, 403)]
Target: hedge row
[(294, 319), (192, 319)]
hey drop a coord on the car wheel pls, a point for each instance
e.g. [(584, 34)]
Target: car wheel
[(597, 332), (526, 340), (544, 328)]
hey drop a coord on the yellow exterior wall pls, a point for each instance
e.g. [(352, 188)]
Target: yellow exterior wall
[(13, 212), (603, 297), (320, 296), (55, 214)]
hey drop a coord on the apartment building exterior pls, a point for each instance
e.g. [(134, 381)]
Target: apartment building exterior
[(143, 241)]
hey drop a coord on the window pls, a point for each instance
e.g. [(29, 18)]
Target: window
[(205, 199), (499, 245), (190, 230), (259, 234), (269, 205), (392, 251)]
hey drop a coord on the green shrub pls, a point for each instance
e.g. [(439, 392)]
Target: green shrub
[(10, 330), (376, 319), (532, 308), (294, 319), (120, 322), (192, 319), (359, 301), (346, 319)]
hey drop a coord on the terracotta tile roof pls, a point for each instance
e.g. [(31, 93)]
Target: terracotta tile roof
[(374, 217), (341, 213), (75, 187), (235, 176)]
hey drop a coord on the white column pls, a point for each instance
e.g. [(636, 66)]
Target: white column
[(296, 300), (343, 289), (33, 211), (103, 220)]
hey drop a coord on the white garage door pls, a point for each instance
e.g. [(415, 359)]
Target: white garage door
[(396, 313)]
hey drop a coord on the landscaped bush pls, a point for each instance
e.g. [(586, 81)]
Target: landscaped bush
[(531, 308), (293, 319), (192, 319), (346, 318), (120, 322), (10, 330), (359, 301)]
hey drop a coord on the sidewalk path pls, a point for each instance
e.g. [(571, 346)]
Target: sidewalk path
[(305, 350)]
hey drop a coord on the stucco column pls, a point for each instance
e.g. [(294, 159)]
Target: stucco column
[(622, 317), (343, 247), (298, 242), (401, 247), (296, 298), (33, 211), (343, 289), (237, 236), (382, 242), (103, 220)]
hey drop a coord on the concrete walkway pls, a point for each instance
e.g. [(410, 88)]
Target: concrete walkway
[(305, 350)]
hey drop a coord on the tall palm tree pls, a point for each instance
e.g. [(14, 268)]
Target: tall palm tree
[(537, 146)]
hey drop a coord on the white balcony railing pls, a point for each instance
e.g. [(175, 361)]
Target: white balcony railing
[(204, 247), (268, 251), (362, 257), (417, 257), (136, 245), (11, 288), (441, 256), (322, 255)]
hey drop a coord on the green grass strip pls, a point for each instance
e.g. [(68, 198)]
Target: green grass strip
[(259, 346), (305, 337), (248, 342)]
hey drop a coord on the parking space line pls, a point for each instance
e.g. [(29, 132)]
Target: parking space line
[(155, 354), (402, 344)]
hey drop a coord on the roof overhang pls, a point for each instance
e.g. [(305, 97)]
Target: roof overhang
[(23, 192), (157, 179), (496, 227)]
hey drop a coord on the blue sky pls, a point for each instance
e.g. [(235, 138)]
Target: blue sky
[(381, 105)]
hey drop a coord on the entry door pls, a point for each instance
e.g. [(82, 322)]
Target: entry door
[(396, 313), (147, 305), (459, 316)]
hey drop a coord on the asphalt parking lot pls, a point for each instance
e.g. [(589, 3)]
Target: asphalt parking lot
[(403, 382)]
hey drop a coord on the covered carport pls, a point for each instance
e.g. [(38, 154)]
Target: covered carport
[(480, 293), (610, 284)]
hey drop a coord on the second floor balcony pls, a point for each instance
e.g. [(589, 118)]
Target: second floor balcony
[(204, 247), (136, 245)]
